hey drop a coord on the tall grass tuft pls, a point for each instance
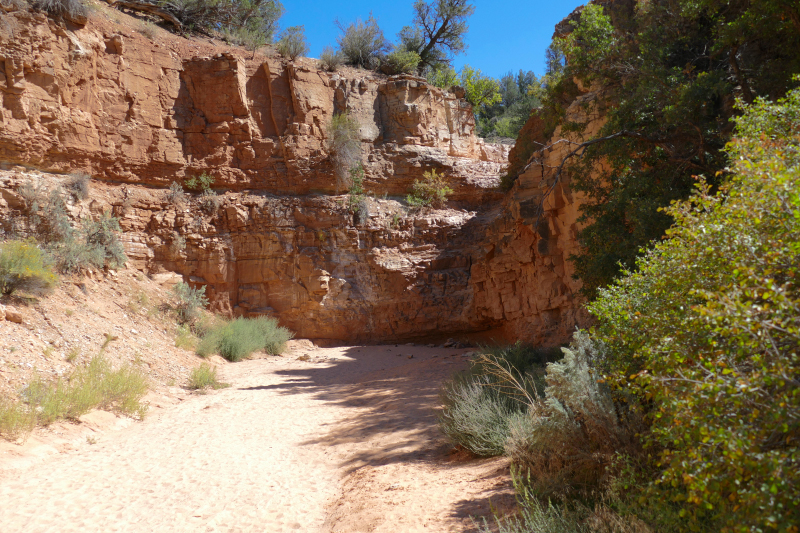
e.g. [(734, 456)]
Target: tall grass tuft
[(94, 386), (238, 339), (481, 403), (204, 377)]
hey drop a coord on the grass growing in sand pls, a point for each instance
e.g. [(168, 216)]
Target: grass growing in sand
[(205, 377), (238, 339), (94, 386)]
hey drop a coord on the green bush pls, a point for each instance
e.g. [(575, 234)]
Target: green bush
[(344, 146), (237, 339), (292, 43), (402, 61), (201, 183), (432, 191), (362, 43), (25, 267), (204, 377), (94, 386), (190, 301), (481, 402), (707, 332), (330, 59)]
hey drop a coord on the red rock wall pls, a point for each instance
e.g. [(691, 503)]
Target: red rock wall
[(139, 114)]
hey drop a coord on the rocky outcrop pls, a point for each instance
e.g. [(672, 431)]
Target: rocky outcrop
[(121, 107), (138, 115)]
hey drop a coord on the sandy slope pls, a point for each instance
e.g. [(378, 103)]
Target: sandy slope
[(343, 442)]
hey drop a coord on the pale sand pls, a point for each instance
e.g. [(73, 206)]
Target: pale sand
[(345, 442)]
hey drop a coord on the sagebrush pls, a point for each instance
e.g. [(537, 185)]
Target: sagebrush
[(238, 339)]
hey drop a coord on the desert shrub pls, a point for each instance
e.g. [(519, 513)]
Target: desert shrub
[(210, 201), (570, 436), (69, 9), (330, 59), (175, 194), (103, 244), (94, 386), (362, 43), (401, 60), (292, 43), (46, 213), (16, 420), (204, 377), (481, 402), (344, 146), (25, 267), (201, 183), (431, 191), (707, 333), (78, 185), (253, 20), (190, 301), (237, 339)]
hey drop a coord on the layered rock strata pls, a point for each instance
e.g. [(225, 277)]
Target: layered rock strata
[(138, 115)]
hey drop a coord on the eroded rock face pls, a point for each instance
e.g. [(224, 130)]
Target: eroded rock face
[(138, 115), (124, 108)]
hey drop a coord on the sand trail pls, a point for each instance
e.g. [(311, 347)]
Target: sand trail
[(344, 442)]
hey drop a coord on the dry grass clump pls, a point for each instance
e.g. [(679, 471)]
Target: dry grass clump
[(205, 377), (94, 386)]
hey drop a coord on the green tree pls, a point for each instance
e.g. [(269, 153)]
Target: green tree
[(481, 89), (438, 31), (707, 333), (670, 73)]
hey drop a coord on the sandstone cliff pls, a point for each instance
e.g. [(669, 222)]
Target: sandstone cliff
[(138, 114)]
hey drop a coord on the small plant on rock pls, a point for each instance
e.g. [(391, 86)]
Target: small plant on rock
[(330, 59), (432, 191)]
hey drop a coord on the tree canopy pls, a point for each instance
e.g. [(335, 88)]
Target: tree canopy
[(438, 31)]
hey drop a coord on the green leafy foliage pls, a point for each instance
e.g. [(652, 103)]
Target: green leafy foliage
[(25, 267), (401, 60), (518, 97), (356, 199), (431, 191), (94, 386), (670, 72), (93, 244), (444, 78), (238, 339), (201, 183), (707, 333), (292, 43), (481, 89), (191, 301)]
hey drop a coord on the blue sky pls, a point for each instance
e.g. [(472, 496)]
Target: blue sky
[(504, 35)]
